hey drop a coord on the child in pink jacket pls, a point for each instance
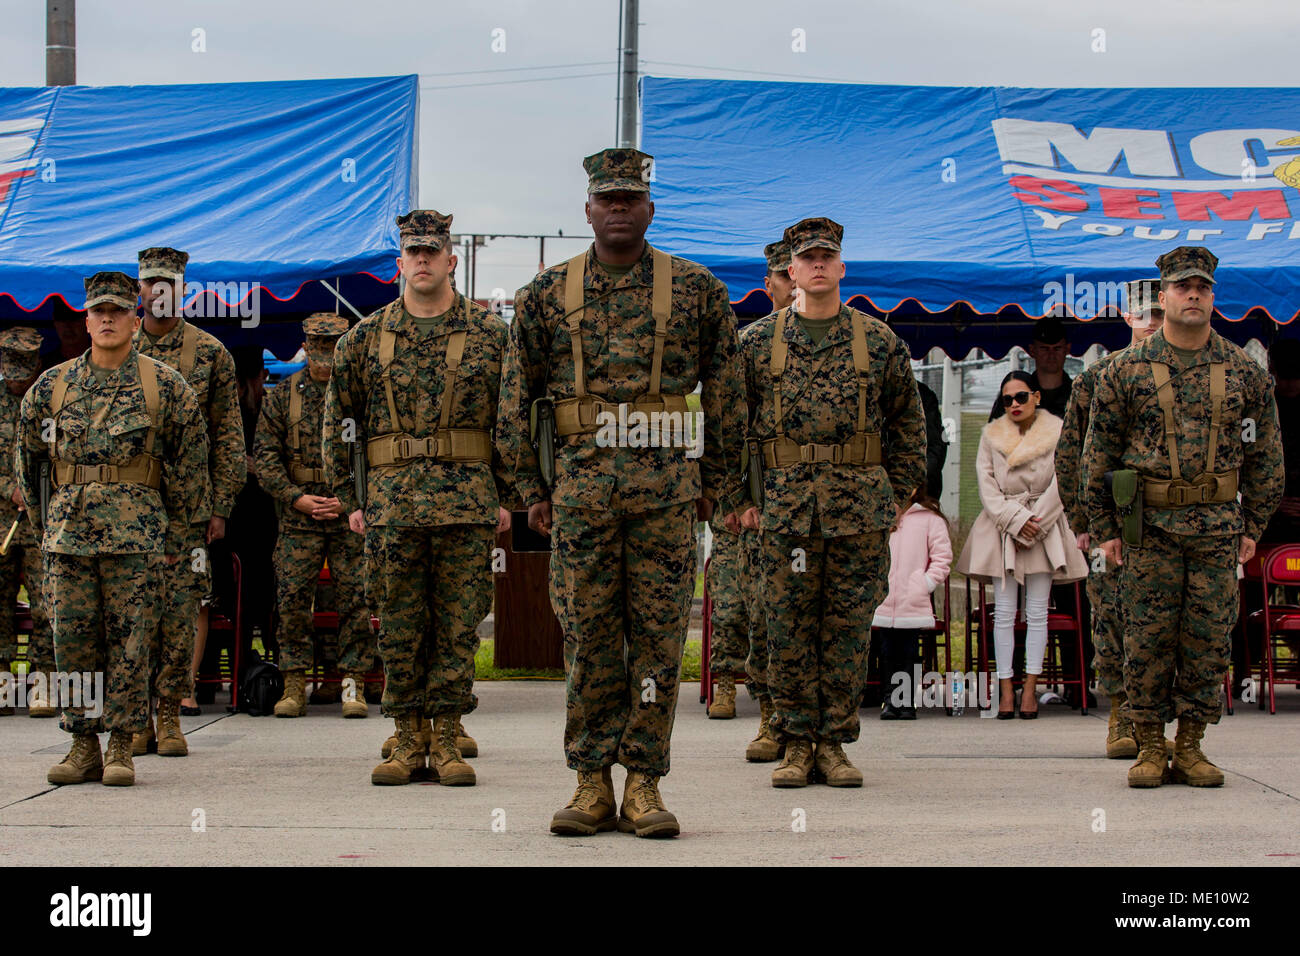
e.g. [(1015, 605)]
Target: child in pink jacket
[(920, 555)]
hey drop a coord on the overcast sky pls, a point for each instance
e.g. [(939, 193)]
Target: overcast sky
[(502, 134)]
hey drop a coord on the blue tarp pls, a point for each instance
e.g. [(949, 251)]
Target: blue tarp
[(970, 200), (266, 184)]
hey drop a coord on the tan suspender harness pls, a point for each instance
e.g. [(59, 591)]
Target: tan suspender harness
[(863, 449), (581, 414), (189, 345), (298, 472), (143, 469), (1209, 487), (397, 448)]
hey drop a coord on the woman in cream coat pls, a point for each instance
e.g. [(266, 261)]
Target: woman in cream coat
[(1021, 537)]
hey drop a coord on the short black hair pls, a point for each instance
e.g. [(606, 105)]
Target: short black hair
[(1049, 330)]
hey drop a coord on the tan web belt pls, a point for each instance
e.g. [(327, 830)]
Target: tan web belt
[(1206, 488), (579, 416), (303, 475), (141, 470), (863, 450), (451, 444)]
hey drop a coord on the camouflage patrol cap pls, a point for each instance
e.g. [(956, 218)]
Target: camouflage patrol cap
[(778, 256), (21, 339), (620, 168), (329, 324), (424, 227), (161, 262), (117, 288), (818, 233), (1187, 261), (20, 353), (1143, 295)]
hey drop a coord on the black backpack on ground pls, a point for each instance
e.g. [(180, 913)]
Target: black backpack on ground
[(260, 687)]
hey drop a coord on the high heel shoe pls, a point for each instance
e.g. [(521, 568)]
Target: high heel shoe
[(1029, 714), (1008, 714)]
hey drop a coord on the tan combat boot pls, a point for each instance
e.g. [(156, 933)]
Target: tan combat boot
[(119, 770), (39, 703), (406, 760), (643, 811), (1120, 742), (724, 700), (326, 693), (293, 702), (1190, 766), (1150, 769), (84, 762), (765, 747), (147, 740), (356, 707), (171, 742), (592, 808), (424, 736), (445, 762), (834, 766), (466, 744), (797, 765)]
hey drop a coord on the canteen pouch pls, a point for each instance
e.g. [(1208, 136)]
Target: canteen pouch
[(44, 471), (1125, 487), (359, 472), (541, 425), (754, 472)]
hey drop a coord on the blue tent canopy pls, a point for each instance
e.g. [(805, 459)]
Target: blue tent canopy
[(969, 211), (268, 186)]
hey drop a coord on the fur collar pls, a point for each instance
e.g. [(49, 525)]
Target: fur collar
[(1019, 448)]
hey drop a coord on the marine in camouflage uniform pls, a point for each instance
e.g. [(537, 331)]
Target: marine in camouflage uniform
[(20, 363), (313, 527), (128, 450), (420, 390), (209, 369), (1199, 424), (728, 586), (624, 507), (739, 620), (835, 414), (1144, 316)]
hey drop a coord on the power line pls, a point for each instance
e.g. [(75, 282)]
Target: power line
[(724, 69), (516, 69), (531, 79)]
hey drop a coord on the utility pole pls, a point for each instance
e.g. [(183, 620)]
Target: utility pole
[(627, 132), (60, 42)]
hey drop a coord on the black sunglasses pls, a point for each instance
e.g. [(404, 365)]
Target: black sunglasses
[(1019, 398)]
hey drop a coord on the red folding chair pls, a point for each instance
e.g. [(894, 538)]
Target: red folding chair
[(220, 624), (930, 643), (1281, 622), (1062, 631), (327, 621), (930, 637)]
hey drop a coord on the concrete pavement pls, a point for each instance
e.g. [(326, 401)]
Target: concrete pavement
[(939, 790)]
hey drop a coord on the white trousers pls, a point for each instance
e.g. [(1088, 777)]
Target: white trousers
[(1006, 597)]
